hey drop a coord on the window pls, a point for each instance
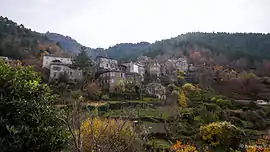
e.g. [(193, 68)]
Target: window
[(56, 68), (54, 74), (70, 73), (107, 65), (112, 80)]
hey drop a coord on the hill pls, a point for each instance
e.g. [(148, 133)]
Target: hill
[(127, 50), (254, 46), (18, 42), (65, 42)]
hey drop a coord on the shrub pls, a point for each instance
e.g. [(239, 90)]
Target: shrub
[(221, 134), (107, 135), (93, 91), (188, 87), (179, 147), (28, 120), (105, 97)]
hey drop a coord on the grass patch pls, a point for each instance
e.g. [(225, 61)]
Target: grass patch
[(159, 143), (159, 112)]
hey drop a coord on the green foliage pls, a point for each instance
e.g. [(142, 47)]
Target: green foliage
[(149, 99), (28, 121), (82, 60), (206, 115), (120, 86), (252, 46), (105, 97), (223, 103), (18, 42)]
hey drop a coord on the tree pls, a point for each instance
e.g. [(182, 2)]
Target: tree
[(84, 62), (93, 91), (120, 86), (182, 99), (28, 120)]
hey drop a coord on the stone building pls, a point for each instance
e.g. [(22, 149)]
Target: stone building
[(48, 59), (153, 68), (156, 89), (106, 63), (109, 81), (137, 68), (134, 79), (72, 73), (171, 65)]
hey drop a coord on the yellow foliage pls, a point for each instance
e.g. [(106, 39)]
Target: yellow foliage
[(179, 147), (189, 87), (255, 148), (220, 133), (182, 99), (100, 132)]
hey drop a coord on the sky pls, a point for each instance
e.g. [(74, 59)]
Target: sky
[(104, 23)]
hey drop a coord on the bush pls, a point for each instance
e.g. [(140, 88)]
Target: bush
[(105, 97), (93, 91), (179, 147), (188, 87), (221, 134), (28, 120), (107, 135), (223, 103)]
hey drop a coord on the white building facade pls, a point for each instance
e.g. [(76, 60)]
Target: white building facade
[(48, 60), (72, 73), (106, 63)]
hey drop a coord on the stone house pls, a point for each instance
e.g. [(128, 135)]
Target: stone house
[(133, 67), (182, 64), (153, 68), (143, 60), (106, 63), (48, 59), (156, 89), (171, 65), (72, 73), (133, 79), (110, 80)]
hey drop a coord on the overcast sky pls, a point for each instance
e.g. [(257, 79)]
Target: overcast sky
[(102, 23)]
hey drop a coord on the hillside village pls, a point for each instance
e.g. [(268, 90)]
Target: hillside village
[(111, 73), (195, 92)]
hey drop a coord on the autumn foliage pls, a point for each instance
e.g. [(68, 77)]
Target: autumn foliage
[(221, 134), (107, 134), (180, 147), (182, 99)]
